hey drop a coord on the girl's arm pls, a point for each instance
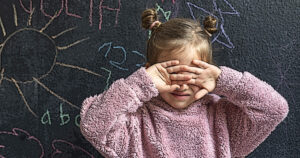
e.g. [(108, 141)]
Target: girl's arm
[(253, 109), (105, 117)]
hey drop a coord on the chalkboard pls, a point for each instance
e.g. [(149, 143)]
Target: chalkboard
[(55, 53)]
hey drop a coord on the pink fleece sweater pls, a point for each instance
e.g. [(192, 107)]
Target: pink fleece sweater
[(131, 120)]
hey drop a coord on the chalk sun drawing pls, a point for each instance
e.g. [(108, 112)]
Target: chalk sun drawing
[(218, 14), (16, 58)]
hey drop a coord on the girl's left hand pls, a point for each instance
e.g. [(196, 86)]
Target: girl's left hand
[(204, 76)]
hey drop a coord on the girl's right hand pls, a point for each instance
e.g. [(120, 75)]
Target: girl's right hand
[(161, 77)]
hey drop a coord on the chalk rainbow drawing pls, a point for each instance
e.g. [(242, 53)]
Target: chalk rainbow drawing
[(218, 14), (22, 54)]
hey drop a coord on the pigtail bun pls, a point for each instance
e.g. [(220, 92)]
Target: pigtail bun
[(150, 19), (210, 24)]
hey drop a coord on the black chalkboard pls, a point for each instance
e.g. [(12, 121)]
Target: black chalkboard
[(55, 53)]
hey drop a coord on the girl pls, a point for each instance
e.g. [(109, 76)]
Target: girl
[(181, 104)]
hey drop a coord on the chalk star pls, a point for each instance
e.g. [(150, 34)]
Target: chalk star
[(220, 19)]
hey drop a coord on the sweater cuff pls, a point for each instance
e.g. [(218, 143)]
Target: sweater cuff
[(227, 81), (142, 84)]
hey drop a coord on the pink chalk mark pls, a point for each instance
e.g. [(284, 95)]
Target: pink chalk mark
[(26, 10), (42, 9), (108, 8), (91, 13), (29, 137), (74, 147), (70, 14)]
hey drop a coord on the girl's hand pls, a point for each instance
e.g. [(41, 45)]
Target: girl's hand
[(161, 77), (204, 76)]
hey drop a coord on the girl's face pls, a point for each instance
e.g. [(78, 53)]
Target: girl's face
[(184, 96)]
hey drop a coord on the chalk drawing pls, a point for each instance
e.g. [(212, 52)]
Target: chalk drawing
[(283, 69), (217, 10), (63, 147), (24, 138), (119, 64), (39, 33)]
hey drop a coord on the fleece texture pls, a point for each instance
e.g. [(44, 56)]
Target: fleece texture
[(130, 119)]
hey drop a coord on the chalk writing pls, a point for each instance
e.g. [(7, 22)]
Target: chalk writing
[(220, 18), (46, 118), (118, 64), (64, 117), (64, 5)]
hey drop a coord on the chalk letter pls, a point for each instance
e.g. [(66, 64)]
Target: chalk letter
[(62, 116), (46, 116), (108, 8), (42, 9), (67, 11), (30, 6), (77, 121)]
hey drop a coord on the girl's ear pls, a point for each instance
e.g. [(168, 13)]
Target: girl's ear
[(147, 65)]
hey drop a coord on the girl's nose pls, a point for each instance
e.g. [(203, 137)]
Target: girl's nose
[(183, 87)]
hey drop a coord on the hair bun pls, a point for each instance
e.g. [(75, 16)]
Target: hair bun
[(210, 24), (149, 16)]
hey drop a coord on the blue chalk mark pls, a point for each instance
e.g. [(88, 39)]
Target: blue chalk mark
[(116, 63), (140, 54), (109, 76), (220, 18)]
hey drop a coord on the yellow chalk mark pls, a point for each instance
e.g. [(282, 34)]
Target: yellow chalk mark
[(1, 75), (23, 97), (79, 68), (15, 15), (53, 93), (30, 18), (2, 26), (70, 29), (49, 22), (70, 45)]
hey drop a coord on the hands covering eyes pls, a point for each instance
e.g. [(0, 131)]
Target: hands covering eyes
[(168, 76)]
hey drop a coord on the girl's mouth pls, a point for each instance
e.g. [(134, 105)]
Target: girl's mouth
[(180, 96)]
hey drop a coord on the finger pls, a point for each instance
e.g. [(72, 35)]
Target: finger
[(179, 82), (180, 77), (201, 93), (201, 64), (185, 68), (169, 63)]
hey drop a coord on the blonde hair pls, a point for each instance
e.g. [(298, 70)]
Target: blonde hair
[(176, 33)]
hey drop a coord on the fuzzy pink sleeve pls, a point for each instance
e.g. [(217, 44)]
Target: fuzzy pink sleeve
[(104, 117), (253, 109)]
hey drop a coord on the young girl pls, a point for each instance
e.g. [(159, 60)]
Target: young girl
[(181, 104)]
